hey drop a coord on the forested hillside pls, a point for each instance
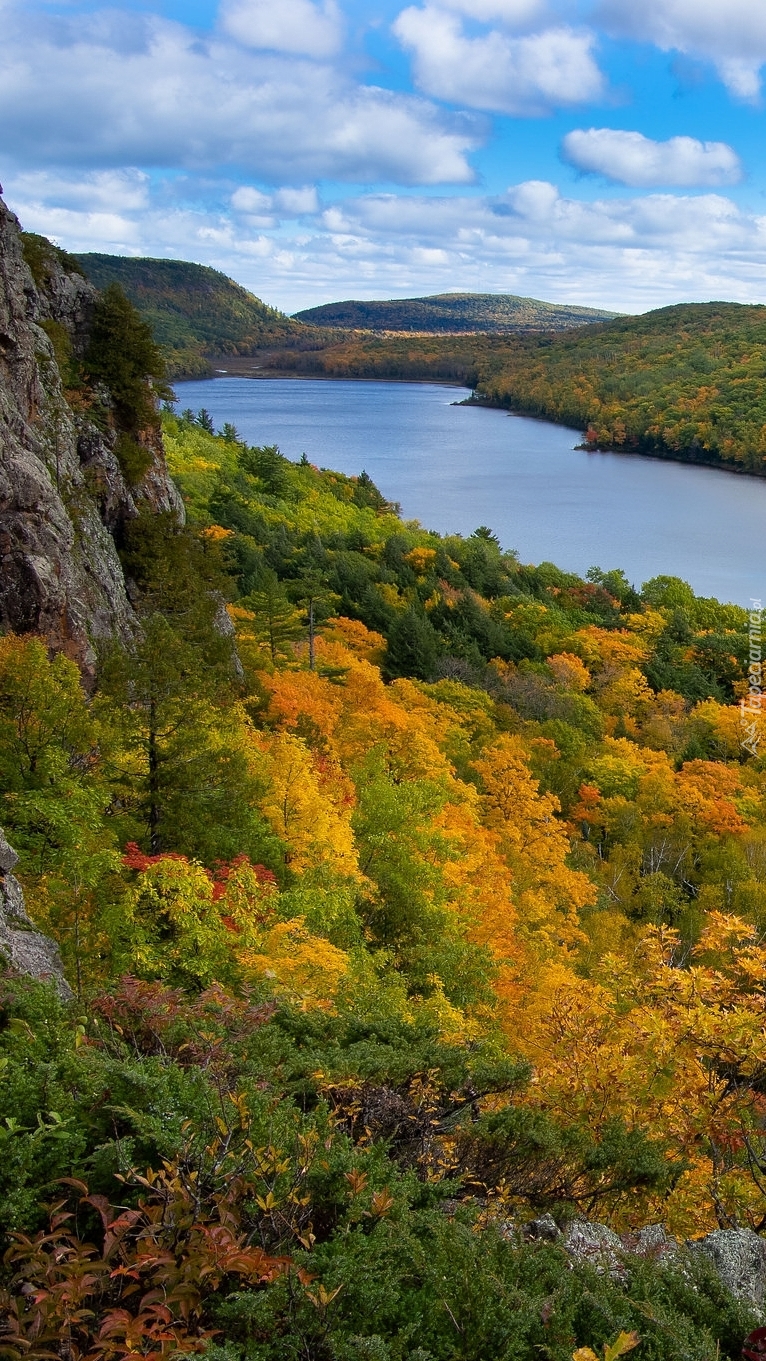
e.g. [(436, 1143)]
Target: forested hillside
[(682, 382), (491, 313), (193, 310), (685, 381), (434, 906)]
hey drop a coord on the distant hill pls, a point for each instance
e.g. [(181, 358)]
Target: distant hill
[(455, 313), (193, 310)]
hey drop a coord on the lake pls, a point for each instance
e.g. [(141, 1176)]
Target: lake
[(455, 467)]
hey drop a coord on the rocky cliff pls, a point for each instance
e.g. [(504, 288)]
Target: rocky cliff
[(63, 496), (23, 948)]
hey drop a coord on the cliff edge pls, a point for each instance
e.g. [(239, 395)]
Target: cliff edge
[(64, 493)]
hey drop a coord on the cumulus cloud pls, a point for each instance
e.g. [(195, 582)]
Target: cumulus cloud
[(514, 13), (246, 199), (266, 210), (627, 252), (89, 93), (632, 159), (729, 33), (297, 202), (296, 26), (529, 75), (113, 190)]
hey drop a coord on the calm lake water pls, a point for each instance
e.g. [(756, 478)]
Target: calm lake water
[(454, 468)]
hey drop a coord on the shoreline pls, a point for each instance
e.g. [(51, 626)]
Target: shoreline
[(713, 461), (236, 369), (291, 374)]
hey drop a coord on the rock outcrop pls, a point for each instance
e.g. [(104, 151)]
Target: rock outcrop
[(23, 948), (63, 497), (738, 1255)]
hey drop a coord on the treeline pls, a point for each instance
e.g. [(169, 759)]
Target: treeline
[(682, 382), (407, 892)]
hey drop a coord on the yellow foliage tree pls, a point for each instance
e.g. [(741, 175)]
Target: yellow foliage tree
[(308, 802), (548, 894), (677, 1051)]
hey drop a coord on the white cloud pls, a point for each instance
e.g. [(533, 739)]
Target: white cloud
[(86, 92), (530, 75), (514, 13), (729, 33), (249, 200), (534, 199), (112, 190), (111, 232), (266, 210), (627, 252), (296, 26), (297, 202), (630, 158)]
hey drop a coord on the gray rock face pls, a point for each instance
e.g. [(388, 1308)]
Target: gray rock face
[(739, 1257), (62, 494), (543, 1230), (595, 1244), (652, 1241), (22, 947)]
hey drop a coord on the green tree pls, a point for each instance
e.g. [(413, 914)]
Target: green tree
[(277, 623), (413, 645), (174, 754), (122, 354)]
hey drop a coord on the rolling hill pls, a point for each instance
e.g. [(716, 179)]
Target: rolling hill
[(683, 382), (454, 313)]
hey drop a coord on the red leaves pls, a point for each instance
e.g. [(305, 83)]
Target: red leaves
[(143, 1294), (135, 859), (156, 1019), (224, 871)]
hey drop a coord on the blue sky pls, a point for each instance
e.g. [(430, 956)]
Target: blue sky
[(605, 152)]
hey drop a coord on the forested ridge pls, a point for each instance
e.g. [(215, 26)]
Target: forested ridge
[(492, 313), (685, 381), (422, 898), (193, 310)]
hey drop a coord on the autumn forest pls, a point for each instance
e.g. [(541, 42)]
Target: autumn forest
[(408, 895)]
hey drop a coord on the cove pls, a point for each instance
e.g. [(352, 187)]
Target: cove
[(454, 467)]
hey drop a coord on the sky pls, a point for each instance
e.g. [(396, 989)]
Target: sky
[(601, 152)]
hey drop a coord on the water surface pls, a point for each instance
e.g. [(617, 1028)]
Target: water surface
[(455, 467)]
